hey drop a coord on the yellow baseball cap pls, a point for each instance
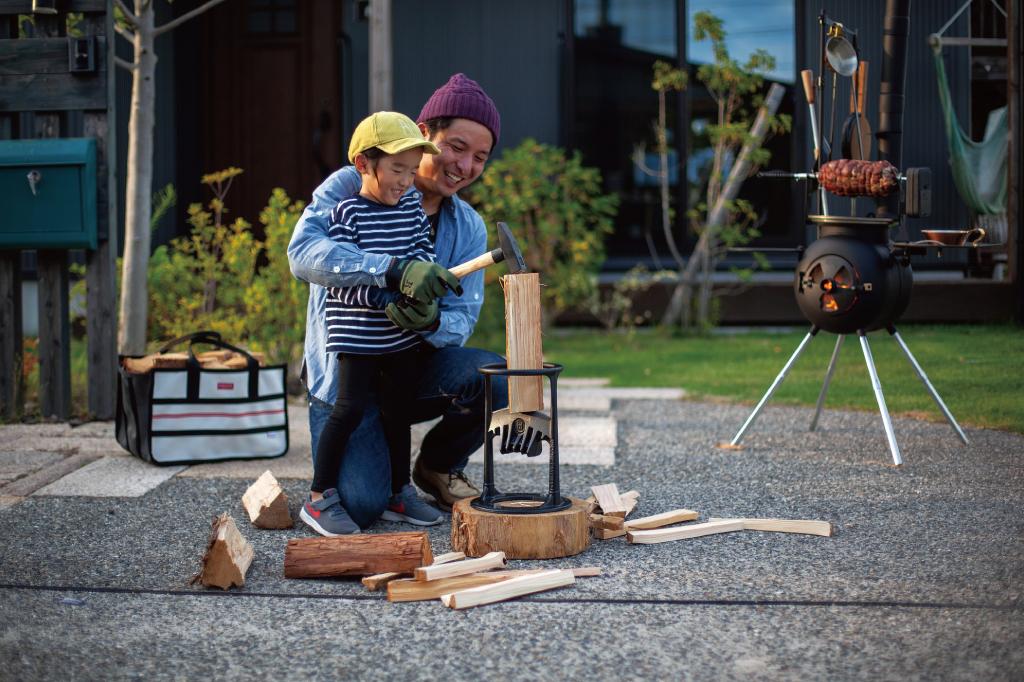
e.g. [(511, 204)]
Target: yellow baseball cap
[(389, 131)]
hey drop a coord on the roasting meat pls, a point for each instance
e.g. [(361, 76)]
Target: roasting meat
[(856, 178)]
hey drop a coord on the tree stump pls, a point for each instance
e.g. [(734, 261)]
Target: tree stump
[(521, 536)]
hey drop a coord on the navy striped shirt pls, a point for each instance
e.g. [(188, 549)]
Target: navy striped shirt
[(356, 322)]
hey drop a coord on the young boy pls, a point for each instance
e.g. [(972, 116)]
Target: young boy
[(374, 353)]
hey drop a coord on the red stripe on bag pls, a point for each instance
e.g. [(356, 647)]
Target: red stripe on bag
[(216, 414), (225, 386)]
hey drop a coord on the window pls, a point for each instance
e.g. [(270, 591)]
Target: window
[(271, 17)]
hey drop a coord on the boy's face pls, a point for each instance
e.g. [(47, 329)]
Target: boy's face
[(465, 147), (390, 177)]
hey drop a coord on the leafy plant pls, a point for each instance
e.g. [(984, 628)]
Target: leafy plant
[(555, 207)]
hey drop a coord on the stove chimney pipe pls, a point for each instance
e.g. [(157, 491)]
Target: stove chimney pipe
[(891, 98)]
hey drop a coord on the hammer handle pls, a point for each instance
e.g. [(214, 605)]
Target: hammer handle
[(478, 263)]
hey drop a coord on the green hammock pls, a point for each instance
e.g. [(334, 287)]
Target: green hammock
[(979, 168)]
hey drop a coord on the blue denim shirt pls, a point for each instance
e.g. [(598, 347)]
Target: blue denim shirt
[(316, 258)]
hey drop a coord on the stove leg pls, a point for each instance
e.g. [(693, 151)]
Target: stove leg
[(928, 385), (894, 447), (775, 384), (828, 380)]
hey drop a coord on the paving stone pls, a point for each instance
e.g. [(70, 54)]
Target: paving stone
[(14, 465), (583, 382), (111, 477), (27, 485), (7, 501), (579, 400)]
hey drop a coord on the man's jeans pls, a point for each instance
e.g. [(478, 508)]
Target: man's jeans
[(450, 388)]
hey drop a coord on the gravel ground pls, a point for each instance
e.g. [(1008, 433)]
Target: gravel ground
[(921, 580)]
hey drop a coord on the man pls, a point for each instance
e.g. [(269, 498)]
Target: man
[(464, 124)]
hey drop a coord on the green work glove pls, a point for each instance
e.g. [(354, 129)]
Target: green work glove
[(421, 280), (412, 315)]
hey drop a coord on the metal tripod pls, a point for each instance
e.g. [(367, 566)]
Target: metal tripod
[(890, 435)]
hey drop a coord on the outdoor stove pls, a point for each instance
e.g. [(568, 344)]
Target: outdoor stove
[(853, 279)]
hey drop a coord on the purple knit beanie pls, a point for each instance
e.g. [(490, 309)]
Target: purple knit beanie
[(462, 97)]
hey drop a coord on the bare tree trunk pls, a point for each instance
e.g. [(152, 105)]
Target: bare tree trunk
[(138, 193), (702, 263)]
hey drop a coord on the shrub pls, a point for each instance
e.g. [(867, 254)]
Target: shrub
[(555, 208)]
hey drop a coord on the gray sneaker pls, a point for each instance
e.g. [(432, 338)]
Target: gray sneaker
[(445, 488), (327, 516), (406, 506)]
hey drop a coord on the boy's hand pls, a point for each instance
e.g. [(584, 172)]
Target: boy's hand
[(421, 280), (412, 315)]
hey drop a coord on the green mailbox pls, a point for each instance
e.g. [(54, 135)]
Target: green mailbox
[(48, 194)]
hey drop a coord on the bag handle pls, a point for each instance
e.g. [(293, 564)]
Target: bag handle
[(191, 338), (193, 366)]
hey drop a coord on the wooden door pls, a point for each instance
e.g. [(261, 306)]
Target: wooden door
[(269, 84)]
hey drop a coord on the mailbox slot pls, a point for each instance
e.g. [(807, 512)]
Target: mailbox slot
[(48, 194)]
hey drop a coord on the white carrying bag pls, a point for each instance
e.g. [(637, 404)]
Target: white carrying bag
[(180, 416)]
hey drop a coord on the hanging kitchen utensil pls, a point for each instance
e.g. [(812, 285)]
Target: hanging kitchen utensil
[(808, 79), (841, 56), (857, 136)]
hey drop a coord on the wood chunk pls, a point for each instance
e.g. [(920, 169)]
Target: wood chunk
[(448, 558), (465, 567), (608, 497), (648, 537), (606, 522), (521, 536), (508, 589), (377, 582), (155, 361), (239, 361), (356, 555), (267, 504), (219, 355), (607, 534), (663, 519), (823, 528), (227, 558), (630, 499), (523, 345), (408, 589)]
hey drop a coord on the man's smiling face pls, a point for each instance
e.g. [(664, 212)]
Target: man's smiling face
[(465, 147)]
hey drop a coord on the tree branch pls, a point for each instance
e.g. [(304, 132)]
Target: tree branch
[(170, 25), (129, 16), (125, 33), (124, 64)]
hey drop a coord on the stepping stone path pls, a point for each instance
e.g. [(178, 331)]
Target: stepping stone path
[(86, 460)]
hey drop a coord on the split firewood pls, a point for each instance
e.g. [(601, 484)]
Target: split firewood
[(155, 361), (606, 522), (407, 589), (377, 582), (267, 504), (663, 519), (607, 533), (239, 361), (484, 563), (227, 557), (630, 499), (351, 555), (508, 589), (648, 537), (823, 528), (608, 497), (219, 355), (523, 341)]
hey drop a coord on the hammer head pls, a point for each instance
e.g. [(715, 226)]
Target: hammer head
[(510, 250)]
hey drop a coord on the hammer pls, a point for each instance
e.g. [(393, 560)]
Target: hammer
[(508, 250)]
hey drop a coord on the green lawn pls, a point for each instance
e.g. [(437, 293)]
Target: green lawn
[(978, 370)]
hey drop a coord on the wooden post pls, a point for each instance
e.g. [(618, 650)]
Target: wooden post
[(12, 393), (523, 347), (380, 55), (54, 335)]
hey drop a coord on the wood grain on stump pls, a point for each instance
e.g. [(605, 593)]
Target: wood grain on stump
[(521, 536)]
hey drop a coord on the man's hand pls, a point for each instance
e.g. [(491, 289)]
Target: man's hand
[(421, 280), (412, 315)]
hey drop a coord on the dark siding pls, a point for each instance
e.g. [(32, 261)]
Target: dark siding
[(510, 48), (924, 138)]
